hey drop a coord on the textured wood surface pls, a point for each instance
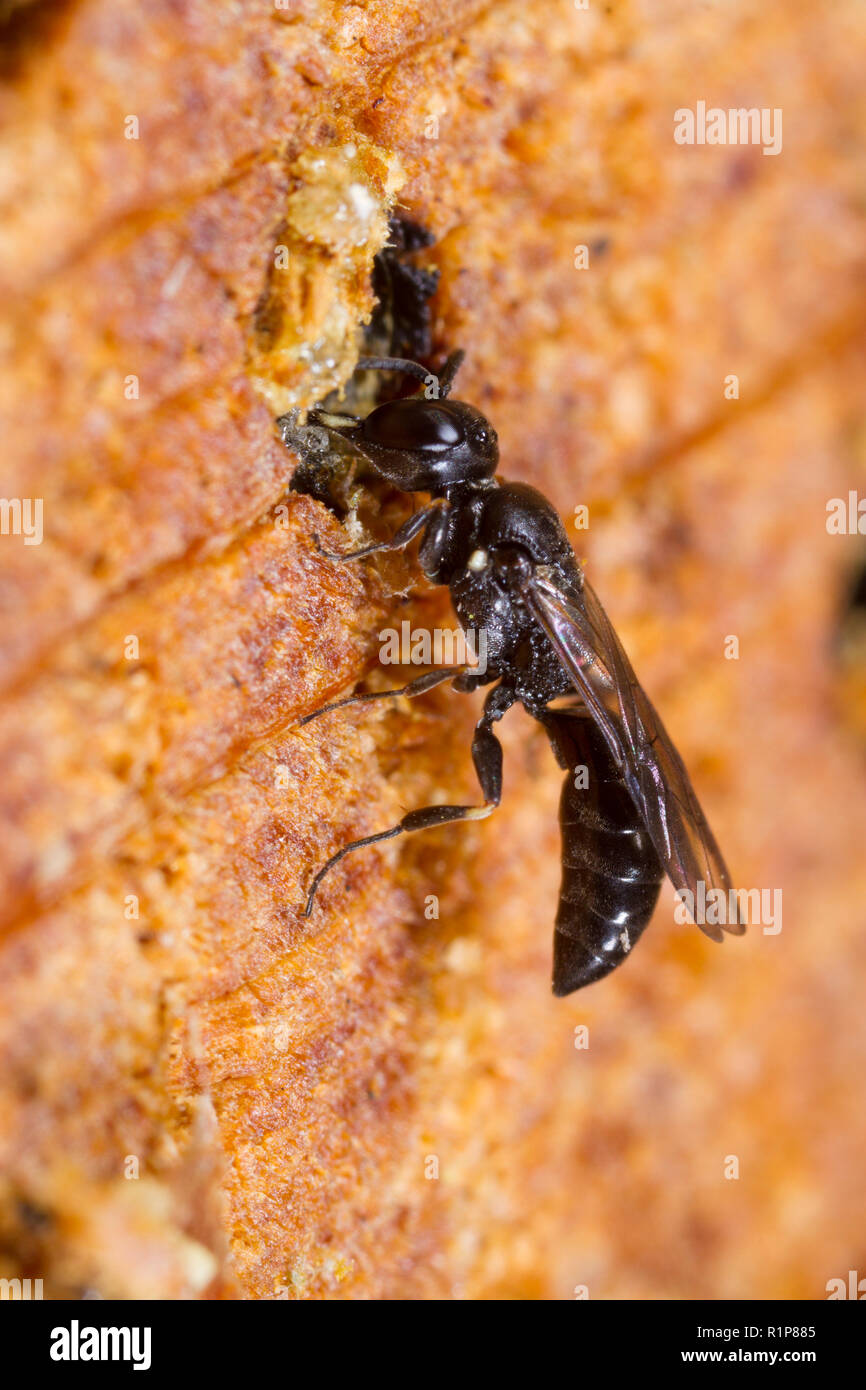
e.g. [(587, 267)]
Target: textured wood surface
[(279, 1086)]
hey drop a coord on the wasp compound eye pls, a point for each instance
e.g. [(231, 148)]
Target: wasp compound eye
[(413, 425)]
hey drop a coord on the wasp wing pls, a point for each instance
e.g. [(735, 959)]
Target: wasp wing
[(590, 651)]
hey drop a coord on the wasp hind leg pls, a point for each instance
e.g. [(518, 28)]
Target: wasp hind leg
[(419, 686), (487, 758)]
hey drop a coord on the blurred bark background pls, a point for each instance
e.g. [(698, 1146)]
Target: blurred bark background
[(200, 1093)]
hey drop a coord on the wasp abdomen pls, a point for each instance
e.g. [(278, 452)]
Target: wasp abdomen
[(611, 874)]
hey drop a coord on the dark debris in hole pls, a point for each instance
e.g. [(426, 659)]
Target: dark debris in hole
[(402, 321), (850, 652)]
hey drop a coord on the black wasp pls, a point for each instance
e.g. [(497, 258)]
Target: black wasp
[(503, 551)]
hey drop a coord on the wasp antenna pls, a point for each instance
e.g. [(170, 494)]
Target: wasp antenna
[(393, 364), (453, 363), (445, 378)]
